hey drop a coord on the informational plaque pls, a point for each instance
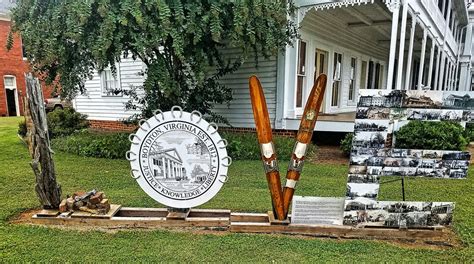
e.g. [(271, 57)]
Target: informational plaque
[(317, 210)]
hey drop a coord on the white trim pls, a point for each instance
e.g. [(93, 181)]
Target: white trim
[(103, 80), (14, 87)]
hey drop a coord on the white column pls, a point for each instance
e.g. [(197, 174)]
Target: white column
[(464, 63), (410, 53), (169, 169), (443, 55), (422, 59), (442, 70), (163, 164), (393, 48), (438, 64), (430, 67), (401, 49)]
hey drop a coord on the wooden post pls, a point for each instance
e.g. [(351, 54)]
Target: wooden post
[(48, 191)]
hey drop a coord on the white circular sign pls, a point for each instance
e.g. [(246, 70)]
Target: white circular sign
[(178, 158)]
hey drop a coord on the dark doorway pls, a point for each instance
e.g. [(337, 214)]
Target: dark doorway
[(11, 104)]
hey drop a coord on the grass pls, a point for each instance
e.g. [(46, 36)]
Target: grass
[(245, 191)]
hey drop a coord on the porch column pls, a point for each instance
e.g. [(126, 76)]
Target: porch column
[(410, 53), (438, 59), (465, 62), (442, 69), (393, 48), (422, 59), (443, 64), (430, 67), (451, 73), (401, 48), (169, 169)]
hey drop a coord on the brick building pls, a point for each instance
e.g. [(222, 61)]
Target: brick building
[(12, 68)]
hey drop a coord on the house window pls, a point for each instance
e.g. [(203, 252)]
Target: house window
[(301, 73), (336, 85), (9, 82), (352, 79), (374, 75), (110, 84)]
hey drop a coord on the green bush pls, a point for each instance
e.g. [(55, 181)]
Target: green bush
[(442, 135), (346, 144), (469, 132), (64, 122), (244, 146), (22, 130), (90, 144)]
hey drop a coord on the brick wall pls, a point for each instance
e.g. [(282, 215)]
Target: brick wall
[(111, 126), (13, 64), (119, 126)]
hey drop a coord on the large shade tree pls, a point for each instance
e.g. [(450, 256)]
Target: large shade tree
[(180, 42)]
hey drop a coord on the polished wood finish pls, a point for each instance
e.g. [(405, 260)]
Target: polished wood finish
[(305, 133), (264, 134)]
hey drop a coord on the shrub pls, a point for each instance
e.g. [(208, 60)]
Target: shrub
[(442, 135), (90, 144), (346, 144), (469, 132), (22, 130), (244, 146), (64, 122)]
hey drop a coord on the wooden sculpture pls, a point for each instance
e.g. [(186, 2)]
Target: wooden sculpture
[(264, 134), (303, 138)]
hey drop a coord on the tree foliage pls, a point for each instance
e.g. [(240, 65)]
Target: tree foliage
[(180, 42)]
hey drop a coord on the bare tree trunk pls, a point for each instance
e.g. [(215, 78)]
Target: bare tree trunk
[(48, 191)]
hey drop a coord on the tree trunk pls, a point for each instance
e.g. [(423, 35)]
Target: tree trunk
[(48, 191)]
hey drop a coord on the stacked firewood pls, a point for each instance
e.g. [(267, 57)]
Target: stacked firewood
[(93, 202)]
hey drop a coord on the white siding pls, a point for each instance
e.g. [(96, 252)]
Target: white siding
[(100, 107), (239, 111)]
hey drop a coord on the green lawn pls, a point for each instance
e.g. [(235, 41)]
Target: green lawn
[(245, 191)]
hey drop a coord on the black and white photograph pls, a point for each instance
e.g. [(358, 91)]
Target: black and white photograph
[(365, 212), (369, 139), (356, 169), (468, 116), (433, 154), (368, 125), (455, 155), (374, 113), (374, 170), (368, 190), (375, 161), (359, 159), (364, 151), (458, 100), (361, 178), (381, 98), (423, 99), (398, 114), (424, 114), (397, 153)]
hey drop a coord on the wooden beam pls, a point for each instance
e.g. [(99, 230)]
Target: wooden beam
[(359, 15), (374, 23)]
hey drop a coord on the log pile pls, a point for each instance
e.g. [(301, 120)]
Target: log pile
[(93, 202)]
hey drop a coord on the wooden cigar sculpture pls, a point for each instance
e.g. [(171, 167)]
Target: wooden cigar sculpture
[(264, 134), (303, 138)]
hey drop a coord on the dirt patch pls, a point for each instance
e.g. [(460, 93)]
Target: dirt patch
[(327, 154)]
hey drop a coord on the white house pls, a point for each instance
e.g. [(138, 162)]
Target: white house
[(359, 44)]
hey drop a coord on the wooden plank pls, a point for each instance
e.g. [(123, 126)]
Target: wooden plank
[(48, 213), (114, 208), (142, 212), (177, 215), (248, 217)]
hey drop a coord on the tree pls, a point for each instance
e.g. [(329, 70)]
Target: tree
[(179, 41)]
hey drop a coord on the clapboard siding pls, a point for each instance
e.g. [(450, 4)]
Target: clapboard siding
[(239, 111), (99, 107)]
